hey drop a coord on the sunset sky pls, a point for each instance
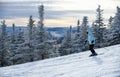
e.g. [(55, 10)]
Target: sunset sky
[(57, 12)]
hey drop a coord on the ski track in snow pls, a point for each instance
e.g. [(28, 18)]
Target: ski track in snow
[(74, 65)]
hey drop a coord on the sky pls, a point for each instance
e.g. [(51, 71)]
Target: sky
[(57, 12)]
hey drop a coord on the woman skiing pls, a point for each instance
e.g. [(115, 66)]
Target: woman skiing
[(91, 41)]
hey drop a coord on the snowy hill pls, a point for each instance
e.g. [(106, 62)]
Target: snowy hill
[(75, 65)]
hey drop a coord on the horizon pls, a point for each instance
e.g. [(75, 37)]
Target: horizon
[(57, 13)]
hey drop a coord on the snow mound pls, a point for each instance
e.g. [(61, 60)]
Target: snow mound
[(75, 65)]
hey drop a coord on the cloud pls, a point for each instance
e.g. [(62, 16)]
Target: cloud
[(22, 9), (25, 9), (55, 10)]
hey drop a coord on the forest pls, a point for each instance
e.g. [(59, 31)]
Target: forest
[(36, 43)]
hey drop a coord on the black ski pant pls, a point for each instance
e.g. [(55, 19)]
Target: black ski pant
[(91, 46)]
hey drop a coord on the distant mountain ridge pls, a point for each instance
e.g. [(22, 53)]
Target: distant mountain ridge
[(56, 30)]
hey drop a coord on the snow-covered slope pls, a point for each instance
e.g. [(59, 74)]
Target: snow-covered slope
[(75, 65)]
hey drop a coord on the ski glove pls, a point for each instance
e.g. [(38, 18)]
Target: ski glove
[(92, 41)]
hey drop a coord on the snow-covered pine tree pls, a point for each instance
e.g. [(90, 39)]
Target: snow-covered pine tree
[(84, 27), (76, 41), (115, 29), (99, 20), (78, 26), (83, 32), (55, 52), (41, 35), (24, 53), (42, 45), (4, 50), (13, 34), (12, 45), (20, 37), (97, 26), (66, 47), (107, 33), (25, 49), (105, 37), (68, 37), (110, 20), (50, 49), (30, 27), (81, 36), (77, 34)]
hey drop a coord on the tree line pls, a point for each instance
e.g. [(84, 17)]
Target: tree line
[(34, 43)]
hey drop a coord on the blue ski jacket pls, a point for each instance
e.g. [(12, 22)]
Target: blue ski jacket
[(91, 38)]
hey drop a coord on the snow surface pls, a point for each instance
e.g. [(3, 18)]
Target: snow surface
[(75, 65)]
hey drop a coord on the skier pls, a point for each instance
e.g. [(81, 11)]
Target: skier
[(91, 41)]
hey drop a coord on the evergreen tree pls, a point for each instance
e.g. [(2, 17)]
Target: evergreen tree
[(24, 53), (115, 29), (68, 37), (20, 37), (99, 20), (81, 37), (98, 26), (110, 20), (77, 34), (3, 45), (78, 26), (76, 41), (41, 35), (106, 41), (55, 52), (12, 45), (107, 33), (13, 34), (66, 47), (23, 49), (84, 28), (30, 27)]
